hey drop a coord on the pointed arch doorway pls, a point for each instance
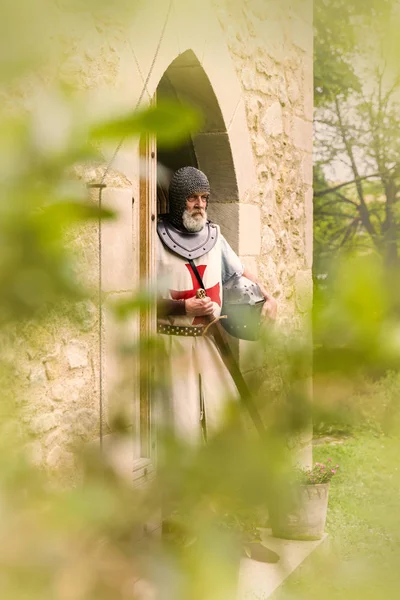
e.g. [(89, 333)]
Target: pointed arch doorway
[(186, 81), (222, 150)]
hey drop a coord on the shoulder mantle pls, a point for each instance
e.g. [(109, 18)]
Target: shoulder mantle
[(187, 244)]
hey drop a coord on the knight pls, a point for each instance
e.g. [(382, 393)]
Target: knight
[(192, 257), (192, 254)]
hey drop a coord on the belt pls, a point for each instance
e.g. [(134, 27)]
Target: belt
[(191, 331)]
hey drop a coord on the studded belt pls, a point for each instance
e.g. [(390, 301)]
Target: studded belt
[(191, 331)]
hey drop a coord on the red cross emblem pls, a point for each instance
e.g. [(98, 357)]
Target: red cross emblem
[(214, 292)]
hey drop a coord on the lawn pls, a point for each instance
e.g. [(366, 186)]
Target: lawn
[(363, 556)]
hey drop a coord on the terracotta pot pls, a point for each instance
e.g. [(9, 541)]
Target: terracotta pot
[(304, 517)]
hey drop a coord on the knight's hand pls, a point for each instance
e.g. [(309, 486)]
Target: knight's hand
[(270, 307), (199, 307)]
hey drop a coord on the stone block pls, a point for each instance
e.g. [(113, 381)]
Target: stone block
[(60, 459), (185, 15), (302, 35), (260, 146), (242, 154), (254, 105), (227, 217), (268, 275), (307, 168), (126, 164), (308, 228), (144, 35), (308, 87), (86, 423), (76, 353), (304, 290), (302, 134), (304, 10), (58, 392), (120, 366), (272, 121), (293, 89), (308, 104), (250, 264), (53, 368), (272, 38), (54, 457), (214, 156), (227, 88), (86, 314), (116, 254), (37, 374), (268, 240), (249, 230), (267, 191), (32, 353), (43, 423), (55, 437), (288, 124), (248, 77)]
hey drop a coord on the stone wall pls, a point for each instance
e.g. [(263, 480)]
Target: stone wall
[(58, 376), (271, 48), (58, 390)]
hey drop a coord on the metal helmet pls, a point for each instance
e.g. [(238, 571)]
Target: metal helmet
[(185, 182), (242, 305)]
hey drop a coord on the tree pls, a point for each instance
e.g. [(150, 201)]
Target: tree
[(358, 137), (356, 181)]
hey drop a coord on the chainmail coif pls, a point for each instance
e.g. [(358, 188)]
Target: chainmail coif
[(184, 183)]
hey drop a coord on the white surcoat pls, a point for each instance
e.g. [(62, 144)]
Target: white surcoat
[(191, 357)]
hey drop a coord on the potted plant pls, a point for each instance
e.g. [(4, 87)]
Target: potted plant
[(303, 515)]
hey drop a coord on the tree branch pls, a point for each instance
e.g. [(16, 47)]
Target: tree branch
[(333, 214), (341, 185)]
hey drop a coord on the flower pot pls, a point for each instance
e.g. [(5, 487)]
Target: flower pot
[(304, 516)]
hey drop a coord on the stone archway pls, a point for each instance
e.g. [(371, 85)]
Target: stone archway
[(185, 80)]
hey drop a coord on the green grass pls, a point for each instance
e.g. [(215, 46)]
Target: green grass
[(363, 556)]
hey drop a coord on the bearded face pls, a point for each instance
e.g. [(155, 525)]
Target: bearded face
[(194, 216), (188, 195)]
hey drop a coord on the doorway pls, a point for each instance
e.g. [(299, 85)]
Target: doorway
[(185, 81)]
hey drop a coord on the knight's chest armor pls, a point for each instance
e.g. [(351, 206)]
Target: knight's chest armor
[(176, 279)]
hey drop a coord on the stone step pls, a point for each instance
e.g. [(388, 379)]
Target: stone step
[(258, 581)]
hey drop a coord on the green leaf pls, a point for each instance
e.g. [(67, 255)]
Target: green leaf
[(123, 309), (169, 121), (68, 212)]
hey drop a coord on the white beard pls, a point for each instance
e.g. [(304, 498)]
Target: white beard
[(194, 223)]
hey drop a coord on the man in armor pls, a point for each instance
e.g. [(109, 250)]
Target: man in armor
[(193, 254)]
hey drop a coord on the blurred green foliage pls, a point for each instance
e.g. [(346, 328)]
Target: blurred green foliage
[(85, 541), (171, 122)]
